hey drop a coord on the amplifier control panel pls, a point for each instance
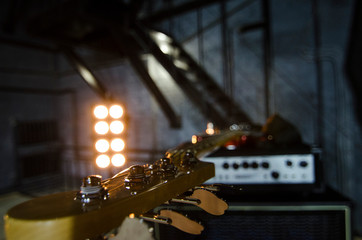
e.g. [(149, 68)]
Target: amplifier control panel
[(265, 169)]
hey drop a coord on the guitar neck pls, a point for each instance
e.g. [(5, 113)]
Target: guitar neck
[(203, 147), (64, 216)]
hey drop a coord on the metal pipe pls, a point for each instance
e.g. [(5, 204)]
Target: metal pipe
[(217, 21), (35, 91), (319, 75), (267, 54), (225, 54), (177, 10), (200, 37), (27, 44)]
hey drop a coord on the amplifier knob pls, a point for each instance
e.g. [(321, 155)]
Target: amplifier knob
[(289, 163), (225, 165), (245, 164), (235, 166), (275, 175), (303, 164), (265, 165), (254, 165)]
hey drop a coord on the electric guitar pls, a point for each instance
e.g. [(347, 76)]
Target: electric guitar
[(102, 205)]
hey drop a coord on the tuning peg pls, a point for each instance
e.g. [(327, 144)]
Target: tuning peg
[(205, 200), (176, 220)]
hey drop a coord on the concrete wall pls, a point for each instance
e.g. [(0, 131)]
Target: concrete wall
[(21, 71), (294, 82)]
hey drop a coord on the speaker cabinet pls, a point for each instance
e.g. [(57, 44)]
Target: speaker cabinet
[(267, 221)]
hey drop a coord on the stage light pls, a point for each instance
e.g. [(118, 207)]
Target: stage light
[(116, 111), (118, 160), (109, 125), (100, 112), (103, 161), (117, 145), (116, 127), (102, 145), (101, 127)]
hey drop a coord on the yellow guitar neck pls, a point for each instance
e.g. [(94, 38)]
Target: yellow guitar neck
[(136, 190)]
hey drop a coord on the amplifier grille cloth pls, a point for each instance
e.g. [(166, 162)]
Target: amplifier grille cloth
[(267, 225)]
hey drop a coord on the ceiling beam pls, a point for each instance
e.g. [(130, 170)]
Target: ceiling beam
[(85, 72), (16, 41), (168, 13), (126, 44)]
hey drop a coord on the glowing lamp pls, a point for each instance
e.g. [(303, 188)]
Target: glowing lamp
[(103, 161), (108, 127), (116, 127), (100, 112), (102, 145), (117, 145), (118, 160), (101, 127), (116, 111)]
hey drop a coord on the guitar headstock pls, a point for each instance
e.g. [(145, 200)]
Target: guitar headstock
[(101, 205)]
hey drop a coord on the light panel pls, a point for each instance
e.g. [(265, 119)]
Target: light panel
[(108, 129)]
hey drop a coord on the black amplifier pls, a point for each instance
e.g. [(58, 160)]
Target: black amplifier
[(267, 170), (322, 216)]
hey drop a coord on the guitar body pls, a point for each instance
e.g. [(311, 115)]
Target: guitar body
[(63, 216)]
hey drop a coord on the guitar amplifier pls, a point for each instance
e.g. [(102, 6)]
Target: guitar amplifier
[(319, 217), (277, 170)]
